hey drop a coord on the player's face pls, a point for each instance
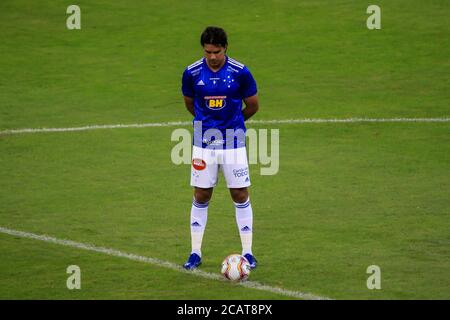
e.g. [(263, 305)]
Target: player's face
[(215, 55)]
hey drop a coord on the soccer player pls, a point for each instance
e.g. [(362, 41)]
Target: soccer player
[(214, 88)]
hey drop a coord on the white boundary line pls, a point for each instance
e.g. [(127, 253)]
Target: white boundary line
[(185, 123), (158, 263)]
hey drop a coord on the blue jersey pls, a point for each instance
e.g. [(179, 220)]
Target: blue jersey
[(218, 102)]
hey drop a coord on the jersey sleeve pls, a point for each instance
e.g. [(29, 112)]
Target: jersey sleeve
[(248, 84), (187, 86)]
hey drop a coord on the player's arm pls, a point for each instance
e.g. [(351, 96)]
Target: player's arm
[(251, 106), (189, 102), (187, 87)]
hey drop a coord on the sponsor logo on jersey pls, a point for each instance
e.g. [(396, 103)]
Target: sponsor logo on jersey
[(215, 102), (198, 164), (240, 172), (217, 142)]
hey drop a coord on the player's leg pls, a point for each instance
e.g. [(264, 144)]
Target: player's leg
[(236, 172), (239, 195), (203, 178), (202, 195), (244, 220), (199, 217)]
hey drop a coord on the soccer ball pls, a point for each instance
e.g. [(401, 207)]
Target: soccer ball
[(235, 268)]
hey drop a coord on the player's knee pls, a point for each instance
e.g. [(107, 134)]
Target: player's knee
[(202, 195), (239, 195)]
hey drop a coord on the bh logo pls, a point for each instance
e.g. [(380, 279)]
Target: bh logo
[(215, 102)]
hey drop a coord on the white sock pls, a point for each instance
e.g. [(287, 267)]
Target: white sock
[(199, 216), (244, 219)]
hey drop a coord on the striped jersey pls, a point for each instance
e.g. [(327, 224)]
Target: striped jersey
[(218, 102)]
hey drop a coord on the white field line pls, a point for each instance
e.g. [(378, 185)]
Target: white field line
[(158, 263), (186, 123)]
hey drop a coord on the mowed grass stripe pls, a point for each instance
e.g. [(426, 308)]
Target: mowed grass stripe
[(157, 262), (185, 123)]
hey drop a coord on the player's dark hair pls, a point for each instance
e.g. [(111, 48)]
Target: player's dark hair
[(214, 35)]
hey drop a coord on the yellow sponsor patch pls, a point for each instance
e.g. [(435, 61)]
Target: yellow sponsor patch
[(215, 102)]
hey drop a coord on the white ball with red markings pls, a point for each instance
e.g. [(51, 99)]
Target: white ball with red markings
[(235, 267)]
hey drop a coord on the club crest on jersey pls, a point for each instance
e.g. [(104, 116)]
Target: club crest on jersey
[(215, 102)]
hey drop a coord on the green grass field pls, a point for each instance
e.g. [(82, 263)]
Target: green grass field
[(347, 195)]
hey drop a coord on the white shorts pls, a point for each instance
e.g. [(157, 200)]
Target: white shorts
[(207, 162)]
